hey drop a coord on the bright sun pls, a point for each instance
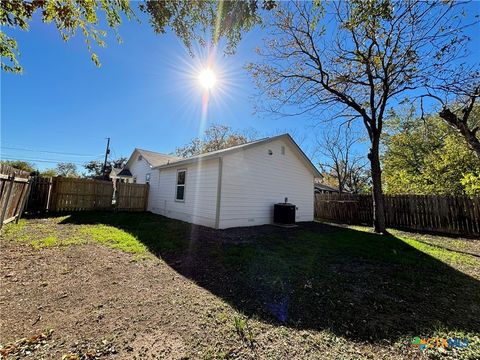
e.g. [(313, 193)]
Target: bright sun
[(207, 78)]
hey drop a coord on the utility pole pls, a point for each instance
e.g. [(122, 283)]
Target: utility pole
[(107, 151)]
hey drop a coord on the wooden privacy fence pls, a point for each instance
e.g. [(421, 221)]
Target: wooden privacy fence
[(457, 215), (40, 190), (69, 194), (132, 197), (14, 188)]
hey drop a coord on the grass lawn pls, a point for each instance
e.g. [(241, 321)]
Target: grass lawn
[(125, 285)]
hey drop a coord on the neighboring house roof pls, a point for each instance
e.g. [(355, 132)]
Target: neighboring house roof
[(219, 153), (119, 172), (323, 187), (154, 159)]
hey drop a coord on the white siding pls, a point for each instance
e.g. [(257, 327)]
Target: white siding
[(199, 206), (253, 181), (140, 169)]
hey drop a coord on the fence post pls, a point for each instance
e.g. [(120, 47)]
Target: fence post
[(11, 179), (52, 199), (24, 200), (145, 199)]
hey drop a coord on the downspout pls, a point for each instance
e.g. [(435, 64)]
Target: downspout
[(219, 192)]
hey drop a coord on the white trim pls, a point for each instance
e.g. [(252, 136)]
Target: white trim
[(219, 192), (177, 185)]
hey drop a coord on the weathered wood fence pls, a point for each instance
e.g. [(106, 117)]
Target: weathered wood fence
[(39, 199), (19, 192), (443, 214), (14, 188), (69, 194), (132, 197)]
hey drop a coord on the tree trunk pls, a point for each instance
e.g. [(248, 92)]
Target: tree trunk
[(462, 126), (377, 193)]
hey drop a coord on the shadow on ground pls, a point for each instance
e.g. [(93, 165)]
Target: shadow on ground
[(357, 285)]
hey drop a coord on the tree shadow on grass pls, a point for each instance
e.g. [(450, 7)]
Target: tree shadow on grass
[(357, 285)]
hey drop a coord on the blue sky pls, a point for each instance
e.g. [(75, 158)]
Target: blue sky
[(144, 95)]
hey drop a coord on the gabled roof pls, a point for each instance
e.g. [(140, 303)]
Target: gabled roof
[(120, 172), (152, 158), (219, 153), (324, 187)]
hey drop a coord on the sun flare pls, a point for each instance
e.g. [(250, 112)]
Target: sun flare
[(207, 78)]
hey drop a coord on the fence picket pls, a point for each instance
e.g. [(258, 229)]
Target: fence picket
[(445, 214)]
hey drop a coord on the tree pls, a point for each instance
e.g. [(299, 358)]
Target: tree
[(21, 165), (48, 173), (426, 156), (68, 17), (339, 162), (187, 19), (95, 168), (355, 59), (223, 19), (463, 115), (215, 137), (66, 170)]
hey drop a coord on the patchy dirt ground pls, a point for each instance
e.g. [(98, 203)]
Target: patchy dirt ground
[(91, 301)]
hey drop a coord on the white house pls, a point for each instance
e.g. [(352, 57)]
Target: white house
[(233, 187)]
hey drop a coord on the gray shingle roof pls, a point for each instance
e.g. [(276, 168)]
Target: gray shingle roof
[(120, 172), (157, 159)]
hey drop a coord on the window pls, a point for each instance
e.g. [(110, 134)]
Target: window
[(140, 157), (180, 191), (147, 178), (283, 150)]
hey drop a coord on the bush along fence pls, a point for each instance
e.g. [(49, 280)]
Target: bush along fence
[(14, 189), (456, 215)]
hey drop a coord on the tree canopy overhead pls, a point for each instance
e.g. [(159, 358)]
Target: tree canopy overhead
[(189, 20)]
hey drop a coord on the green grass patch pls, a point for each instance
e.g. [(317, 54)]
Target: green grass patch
[(442, 254), (45, 242), (114, 238)]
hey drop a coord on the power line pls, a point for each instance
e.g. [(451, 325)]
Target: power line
[(41, 160), (49, 152)]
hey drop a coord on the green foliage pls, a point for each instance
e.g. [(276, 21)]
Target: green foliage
[(66, 170), (188, 19), (243, 329), (428, 157), (69, 16), (471, 183), (21, 165), (95, 168), (215, 137), (48, 173)]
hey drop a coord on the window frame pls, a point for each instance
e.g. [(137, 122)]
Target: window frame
[(177, 185)]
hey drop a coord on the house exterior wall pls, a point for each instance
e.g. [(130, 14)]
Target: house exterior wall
[(199, 206), (253, 181), (140, 169)]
